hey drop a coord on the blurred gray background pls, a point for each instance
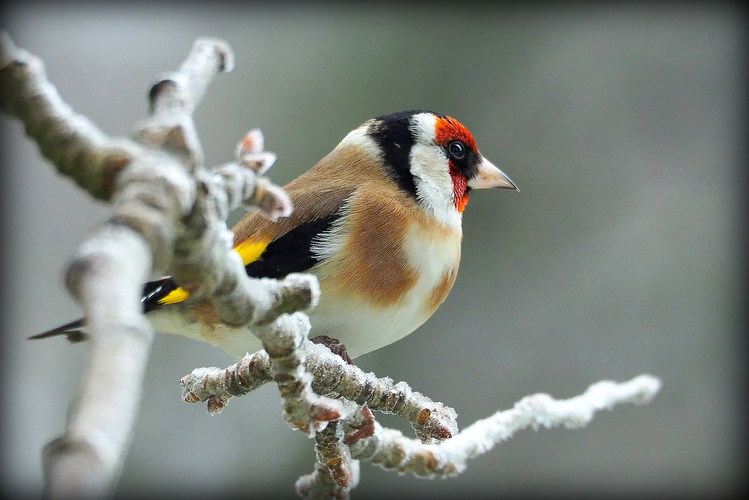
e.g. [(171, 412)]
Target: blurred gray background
[(622, 126)]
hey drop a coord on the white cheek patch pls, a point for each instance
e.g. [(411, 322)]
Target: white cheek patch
[(431, 172), (431, 176)]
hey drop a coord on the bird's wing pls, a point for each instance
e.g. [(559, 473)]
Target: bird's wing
[(269, 249)]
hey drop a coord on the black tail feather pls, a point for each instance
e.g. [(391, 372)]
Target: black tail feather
[(72, 330), (153, 291)]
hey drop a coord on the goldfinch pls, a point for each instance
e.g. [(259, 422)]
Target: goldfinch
[(378, 221)]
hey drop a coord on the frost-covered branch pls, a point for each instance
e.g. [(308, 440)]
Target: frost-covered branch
[(336, 471), (287, 344), (68, 140), (368, 441), (331, 376), (106, 279), (391, 450), (168, 215)]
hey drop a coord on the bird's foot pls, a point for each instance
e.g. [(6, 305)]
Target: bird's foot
[(334, 345)]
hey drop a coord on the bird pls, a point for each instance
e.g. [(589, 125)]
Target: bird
[(378, 221)]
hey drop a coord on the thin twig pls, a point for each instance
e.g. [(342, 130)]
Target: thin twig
[(391, 450), (332, 377)]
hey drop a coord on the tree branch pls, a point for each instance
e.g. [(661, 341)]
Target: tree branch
[(331, 376), (106, 279), (389, 449), (168, 214), (287, 344), (68, 140)]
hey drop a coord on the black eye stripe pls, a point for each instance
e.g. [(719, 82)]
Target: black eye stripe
[(462, 158)]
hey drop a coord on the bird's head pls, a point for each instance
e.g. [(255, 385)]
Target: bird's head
[(433, 158)]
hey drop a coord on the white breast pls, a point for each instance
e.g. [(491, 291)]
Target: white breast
[(364, 328)]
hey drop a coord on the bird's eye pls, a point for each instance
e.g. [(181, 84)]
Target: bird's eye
[(457, 150)]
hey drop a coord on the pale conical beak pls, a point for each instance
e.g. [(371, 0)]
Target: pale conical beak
[(490, 176)]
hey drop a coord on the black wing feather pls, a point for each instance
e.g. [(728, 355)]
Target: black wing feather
[(291, 253), (154, 291)]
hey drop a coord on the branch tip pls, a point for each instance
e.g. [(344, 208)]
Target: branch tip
[(272, 200), (7, 49), (216, 405), (252, 142), (250, 152), (222, 49)]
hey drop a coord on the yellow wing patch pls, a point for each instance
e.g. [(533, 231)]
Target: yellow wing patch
[(250, 251), (176, 295)]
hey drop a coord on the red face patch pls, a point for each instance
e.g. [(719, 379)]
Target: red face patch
[(448, 129), (460, 184)]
